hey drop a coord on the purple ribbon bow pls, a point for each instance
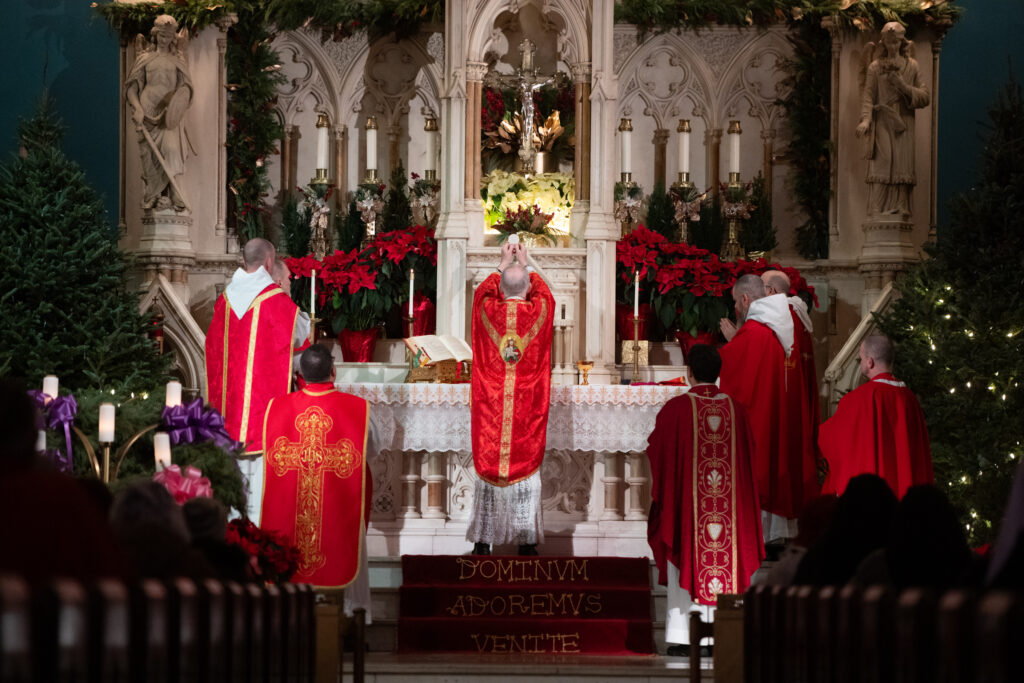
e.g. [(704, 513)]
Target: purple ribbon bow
[(59, 412), (191, 423)]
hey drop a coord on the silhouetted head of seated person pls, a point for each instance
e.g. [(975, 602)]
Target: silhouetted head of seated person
[(18, 427), (207, 521), (927, 547)]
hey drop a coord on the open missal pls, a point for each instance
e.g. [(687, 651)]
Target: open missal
[(433, 348)]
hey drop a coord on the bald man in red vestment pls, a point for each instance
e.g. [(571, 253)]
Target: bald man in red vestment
[(705, 524), (255, 330), (513, 315), (754, 366), (878, 428)]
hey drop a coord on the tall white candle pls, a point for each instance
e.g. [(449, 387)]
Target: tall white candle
[(684, 146), (412, 282), (312, 294), (734, 147), (106, 423), (50, 385), (162, 451), (173, 397), (371, 144), (41, 441), (431, 164), (625, 135), (636, 295), (321, 146)]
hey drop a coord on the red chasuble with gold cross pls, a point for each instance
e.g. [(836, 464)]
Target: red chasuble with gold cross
[(249, 361), (315, 480), (511, 380), (705, 517)]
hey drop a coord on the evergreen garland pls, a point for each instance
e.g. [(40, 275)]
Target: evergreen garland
[(351, 229), (67, 309), (959, 329), (295, 228), (661, 213), (397, 212), (758, 232), (253, 129), (708, 232)]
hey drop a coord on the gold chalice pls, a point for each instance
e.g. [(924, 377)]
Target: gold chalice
[(585, 366)]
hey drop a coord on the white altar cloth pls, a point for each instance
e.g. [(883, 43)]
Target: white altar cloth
[(599, 418)]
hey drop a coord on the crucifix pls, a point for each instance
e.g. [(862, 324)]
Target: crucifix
[(526, 80)]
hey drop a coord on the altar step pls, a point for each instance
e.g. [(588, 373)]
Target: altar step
[(527, 605), (385, 583)]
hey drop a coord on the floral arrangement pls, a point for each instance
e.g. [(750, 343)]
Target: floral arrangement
[(629, 199), (689, 288), (424, 197), (530, 220), (552, 193), (736, 203), (362, 286), (501, 123), (369, 199), (272, 557)]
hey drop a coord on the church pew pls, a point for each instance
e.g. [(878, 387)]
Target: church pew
[(307, 637), (182, 630), (15, 627), (234, 632), (754, 629), (108, 631), (289, 633), (877, 634), (1000, 637), (794, 649), (826, 608), (777, 644), (847, 651), (956, 637), (916, 636), (148, 632), (273, 634), (254, 642), (804, 633), (58, 634), (699, 630), (213, 653)]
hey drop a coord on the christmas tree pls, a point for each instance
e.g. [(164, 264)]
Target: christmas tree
[(66, 309), (397, 213), (661, 213), (351, 230), (958, 327), (758, 232)]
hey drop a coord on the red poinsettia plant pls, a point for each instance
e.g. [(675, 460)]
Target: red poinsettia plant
[(362, 286), (272, 556), (689, 288)]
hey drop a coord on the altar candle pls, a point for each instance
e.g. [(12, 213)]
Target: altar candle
[(371, 143), (636, 295), (412, 281), (162, 451), (734, 146), (684, 145), (173, 397), (321, 141), (106, 423), (50, 384), (41, 441), (625, 133), (431, 130), (312, 294)]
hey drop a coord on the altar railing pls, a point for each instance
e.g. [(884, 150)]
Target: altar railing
[(595, 471)]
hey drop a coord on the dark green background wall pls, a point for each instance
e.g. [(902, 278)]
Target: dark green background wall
[(61, 44)]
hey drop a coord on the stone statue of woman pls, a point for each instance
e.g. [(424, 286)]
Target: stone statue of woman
[(891, 91), (159, 89)]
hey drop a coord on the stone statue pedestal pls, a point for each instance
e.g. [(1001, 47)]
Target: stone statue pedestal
[(888, 248), (165, 247)]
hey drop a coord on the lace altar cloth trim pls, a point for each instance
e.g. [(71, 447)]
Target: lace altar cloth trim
[(600, 418)]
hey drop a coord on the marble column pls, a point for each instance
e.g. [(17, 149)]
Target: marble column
[(713, 140), (452, 230), (287, 156), (475, 72), (602, 230), (833, 206), (767, 166), (221, 228), (581, 74), (340, 140), (660, 142)]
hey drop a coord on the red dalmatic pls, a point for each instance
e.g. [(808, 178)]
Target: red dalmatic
[(878, 429), (803, 412), (249, 362), (754, 373), (315, 480), (511, 380), (704, 517)]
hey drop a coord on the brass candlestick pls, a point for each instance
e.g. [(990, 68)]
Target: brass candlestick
[(408, 352), (102, 469)]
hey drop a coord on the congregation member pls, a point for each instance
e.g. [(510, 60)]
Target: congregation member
[(249, 346), (704, 528), (754, 365), (207, 522), (318, 485), (1006, 568), (877, 428), (801, 375), (512, 327)]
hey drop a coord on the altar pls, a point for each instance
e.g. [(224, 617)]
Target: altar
[(596, 490)]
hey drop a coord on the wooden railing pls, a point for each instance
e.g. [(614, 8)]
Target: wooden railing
[(850, 634), (154, 631)]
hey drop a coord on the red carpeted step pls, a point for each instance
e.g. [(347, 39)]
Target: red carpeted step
[(526, 636), (437, 570), (541, 601)]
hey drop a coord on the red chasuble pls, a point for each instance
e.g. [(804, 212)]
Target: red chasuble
[(315, 480), (878, 429), (249, 362), (754, 373), (704, 517), (803, 412), (511, 386)]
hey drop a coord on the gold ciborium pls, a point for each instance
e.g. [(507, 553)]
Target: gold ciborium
[(584, 366)]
